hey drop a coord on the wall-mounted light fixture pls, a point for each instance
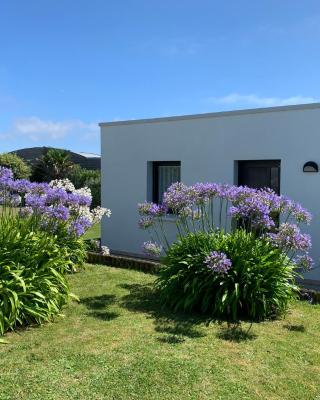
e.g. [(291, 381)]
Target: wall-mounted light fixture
[(310, 166)]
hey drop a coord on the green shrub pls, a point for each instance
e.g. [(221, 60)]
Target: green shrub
[(20, 169), (259, 284), (92, 245), (33, 287), (74, 248)]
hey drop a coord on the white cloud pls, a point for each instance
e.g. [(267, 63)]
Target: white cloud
[(4, 136), (37, 129), (259, 101)]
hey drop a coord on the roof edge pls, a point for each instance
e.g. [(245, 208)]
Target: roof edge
[(213, 114)]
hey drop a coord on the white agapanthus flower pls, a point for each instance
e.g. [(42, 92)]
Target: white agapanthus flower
[(85, 191), (105, 251), (99, 212), (65, 184)]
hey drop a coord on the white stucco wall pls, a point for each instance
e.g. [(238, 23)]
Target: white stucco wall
[(207, 147)]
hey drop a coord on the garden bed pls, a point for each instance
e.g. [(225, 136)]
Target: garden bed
[(124, 261), (118, 343), (311, 295)]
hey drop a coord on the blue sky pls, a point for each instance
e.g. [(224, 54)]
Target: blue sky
[(67, 65)]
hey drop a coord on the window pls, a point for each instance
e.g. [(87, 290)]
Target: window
[(164, 174), (260, 174)]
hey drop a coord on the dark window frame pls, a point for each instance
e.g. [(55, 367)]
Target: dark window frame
[(155, 176), (271, 163)]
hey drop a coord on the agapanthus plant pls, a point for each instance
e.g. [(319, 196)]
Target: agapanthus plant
[(208, 207), (54, 205)]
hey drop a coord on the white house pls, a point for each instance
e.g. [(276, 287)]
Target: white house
[(257, 147)]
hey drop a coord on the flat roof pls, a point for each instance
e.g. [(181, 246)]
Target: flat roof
[(214, 114), (88, 155)]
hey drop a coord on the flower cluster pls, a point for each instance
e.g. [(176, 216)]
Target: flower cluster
[(79, 226), (151, 249), (65, 184), (146, 222), (53, 203), (177, 197), (98, 212), (218, 262), (289, 237), (211, 206), (300, 214), (150, 213), (254, 206), (257, 206), (304, 261), (152, 209), (105, 251)]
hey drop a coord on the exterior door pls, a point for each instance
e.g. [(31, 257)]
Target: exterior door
[(260, 174)]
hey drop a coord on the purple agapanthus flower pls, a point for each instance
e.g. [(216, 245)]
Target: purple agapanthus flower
[(35, 200), (218, 262), (79, 226), (52, 204), (301, 214), (78, 199), (5, 175), (56, 195), (58, 212), (177, 197), (152, 209), (39, 188), (252, 208), (270, 198), (289, 237), (145, 222), (304, 262), (157, 210), (200, 193), (21, 186)]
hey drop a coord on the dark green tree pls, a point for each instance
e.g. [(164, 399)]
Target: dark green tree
[(81, 177), (54, 164)]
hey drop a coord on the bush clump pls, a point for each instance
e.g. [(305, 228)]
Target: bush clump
[(20, 169), (41, 239), (53, 164), (33, 287), (253, 279), (237, 252)]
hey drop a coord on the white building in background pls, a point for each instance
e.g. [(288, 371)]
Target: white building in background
[(277, 147)]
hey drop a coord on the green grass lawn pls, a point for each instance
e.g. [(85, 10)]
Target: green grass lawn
[(117, 343), (94, 232)]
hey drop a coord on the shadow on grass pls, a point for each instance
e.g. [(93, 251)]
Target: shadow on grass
[(97, 306), (295, 328), (174, 326), (235, 333), (171, 339)]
